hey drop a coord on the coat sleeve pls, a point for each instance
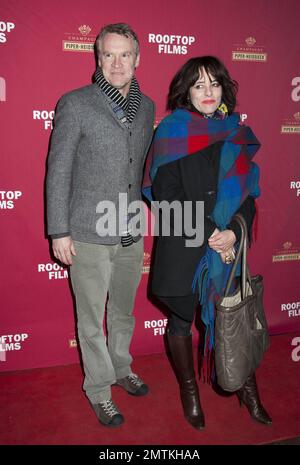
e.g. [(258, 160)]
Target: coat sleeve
[(63, 147), (167, 186), (247, 210)]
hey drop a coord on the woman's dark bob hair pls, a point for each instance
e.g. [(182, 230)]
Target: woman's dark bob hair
[(188, 74)]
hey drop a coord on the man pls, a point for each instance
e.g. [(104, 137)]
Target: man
[(99, 143)]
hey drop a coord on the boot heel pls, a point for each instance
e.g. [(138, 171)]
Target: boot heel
[(248, 395)]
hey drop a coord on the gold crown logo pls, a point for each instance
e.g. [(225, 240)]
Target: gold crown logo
[(250, 41), (297, 116), (84, 29), (287, 245)]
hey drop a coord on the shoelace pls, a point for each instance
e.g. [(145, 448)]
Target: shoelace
[(135, 379), (109, 408)]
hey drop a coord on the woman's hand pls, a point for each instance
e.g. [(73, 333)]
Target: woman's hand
[(222, 241), (228, 256)]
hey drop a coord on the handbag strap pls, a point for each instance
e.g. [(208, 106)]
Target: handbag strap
[(242, 252)]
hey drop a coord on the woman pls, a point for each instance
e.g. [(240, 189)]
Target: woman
[(201, 153)]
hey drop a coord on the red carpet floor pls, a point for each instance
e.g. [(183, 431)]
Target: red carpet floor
[(47, 406)]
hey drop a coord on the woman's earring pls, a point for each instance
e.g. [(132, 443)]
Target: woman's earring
[(222, 108)]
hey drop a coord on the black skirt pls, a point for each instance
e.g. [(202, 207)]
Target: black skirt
[(183, 306)]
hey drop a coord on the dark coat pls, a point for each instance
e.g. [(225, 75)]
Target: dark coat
[(194, 177)]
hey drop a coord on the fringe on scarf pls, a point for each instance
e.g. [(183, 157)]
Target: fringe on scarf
[(203, 272)]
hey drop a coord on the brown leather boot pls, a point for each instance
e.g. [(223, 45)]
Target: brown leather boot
[(182, 356), (249, 396)]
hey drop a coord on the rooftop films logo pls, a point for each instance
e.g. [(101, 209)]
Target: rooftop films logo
[(53, 270), (5, 28), (11, 342), (171, 44), (158, 327), (295, 186), (8, 199), (292, 309), (45, 117), (79, 42), (249, 51)]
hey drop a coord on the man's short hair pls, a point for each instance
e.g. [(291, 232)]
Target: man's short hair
[(122, 29)]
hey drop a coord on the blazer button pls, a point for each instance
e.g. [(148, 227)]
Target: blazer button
[(129, 186), (130, 160)]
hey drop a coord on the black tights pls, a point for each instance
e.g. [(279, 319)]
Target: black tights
[(178, 327), (185, 306)]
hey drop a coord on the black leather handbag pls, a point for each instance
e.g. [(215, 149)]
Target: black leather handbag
[(241, 332)]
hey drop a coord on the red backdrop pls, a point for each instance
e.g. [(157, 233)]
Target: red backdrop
[(45, 51)]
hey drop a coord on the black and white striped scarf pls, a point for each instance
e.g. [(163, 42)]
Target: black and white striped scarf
[(129, 105)]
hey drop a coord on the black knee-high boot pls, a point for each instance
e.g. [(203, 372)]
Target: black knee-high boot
[(249, 396), (182, 356)]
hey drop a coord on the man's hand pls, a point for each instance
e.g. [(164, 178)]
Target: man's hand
[(63, 249), (222, 240)]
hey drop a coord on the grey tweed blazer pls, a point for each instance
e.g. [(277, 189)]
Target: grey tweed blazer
[(93, 157)]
